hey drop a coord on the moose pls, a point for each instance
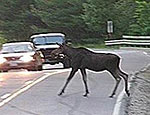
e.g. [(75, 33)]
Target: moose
[(82, 59)]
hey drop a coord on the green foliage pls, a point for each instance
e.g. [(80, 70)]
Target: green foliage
[(81, 20), (2, 39), (95, 15), (90, 16), (98, 12), (61, 16), (123, 16), (14, 21), (141, 26)]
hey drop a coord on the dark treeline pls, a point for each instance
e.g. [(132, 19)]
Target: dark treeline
[(80, 20)]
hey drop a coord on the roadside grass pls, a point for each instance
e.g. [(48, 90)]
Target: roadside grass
[(95, 45)]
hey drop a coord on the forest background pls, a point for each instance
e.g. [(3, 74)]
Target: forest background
[(83, 21)]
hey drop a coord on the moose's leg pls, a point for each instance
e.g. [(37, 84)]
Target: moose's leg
[(68, 80), (125, 77), (118, 79), (84, 76)]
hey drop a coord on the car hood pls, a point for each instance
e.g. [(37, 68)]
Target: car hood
[(47, 46), (17, 54)]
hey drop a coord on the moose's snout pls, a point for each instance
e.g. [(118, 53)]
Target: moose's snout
[(54, 54), (57, 54)]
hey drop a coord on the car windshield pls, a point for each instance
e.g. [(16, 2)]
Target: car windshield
[(45, 40), (17, 48)]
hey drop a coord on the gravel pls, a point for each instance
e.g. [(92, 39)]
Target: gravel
[(139, 101)]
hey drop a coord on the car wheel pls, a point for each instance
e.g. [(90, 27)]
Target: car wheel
[(3, 70)]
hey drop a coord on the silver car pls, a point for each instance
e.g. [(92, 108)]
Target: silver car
[(20, 55)]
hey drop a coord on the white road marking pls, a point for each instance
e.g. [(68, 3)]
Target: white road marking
[(145, 53), (118, 104), (28, 82), (7, 98)]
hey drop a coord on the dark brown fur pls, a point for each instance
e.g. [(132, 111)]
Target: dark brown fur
[(82, 58)]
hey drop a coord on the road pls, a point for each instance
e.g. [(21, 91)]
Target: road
[(35, 93)]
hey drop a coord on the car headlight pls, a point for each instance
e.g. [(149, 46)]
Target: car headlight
[(2, 60), (27, 58)]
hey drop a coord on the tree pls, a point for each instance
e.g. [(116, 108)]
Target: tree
[(98, 12), (14, 19), (123, 16), (60, 16), (141, 26), (78, 19)]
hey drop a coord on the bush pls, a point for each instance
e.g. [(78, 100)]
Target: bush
[(2, 40)]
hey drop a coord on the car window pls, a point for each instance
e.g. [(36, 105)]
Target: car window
[(39, 40), (17, 48), (48, 40), (54, 39)]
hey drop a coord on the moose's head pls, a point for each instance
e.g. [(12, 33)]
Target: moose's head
[(59, 52)]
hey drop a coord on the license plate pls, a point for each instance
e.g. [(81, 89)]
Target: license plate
[(13, 64)]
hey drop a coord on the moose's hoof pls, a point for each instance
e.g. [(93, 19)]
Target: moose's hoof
[(86, 94), (111, 96), (60, 93), (128, 94)]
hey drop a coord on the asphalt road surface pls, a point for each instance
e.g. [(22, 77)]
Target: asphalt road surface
[(35, 93)]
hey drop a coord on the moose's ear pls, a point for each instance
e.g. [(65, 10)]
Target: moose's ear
[(59, 44)]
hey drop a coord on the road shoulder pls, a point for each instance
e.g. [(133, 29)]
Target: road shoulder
[(139, 103)]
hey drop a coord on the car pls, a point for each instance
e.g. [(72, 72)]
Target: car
[(48, 42), (20, 55)]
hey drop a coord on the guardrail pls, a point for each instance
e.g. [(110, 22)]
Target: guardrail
[(137, 41)]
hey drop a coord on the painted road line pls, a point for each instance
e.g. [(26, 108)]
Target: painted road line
[(145, 53), (28, 82), (25, 88), (5, 96), (120, 99), (118, 104)]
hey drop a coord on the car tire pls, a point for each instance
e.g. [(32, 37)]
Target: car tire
[(3, 70)]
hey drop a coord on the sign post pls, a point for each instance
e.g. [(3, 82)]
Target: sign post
[(109, 28)]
